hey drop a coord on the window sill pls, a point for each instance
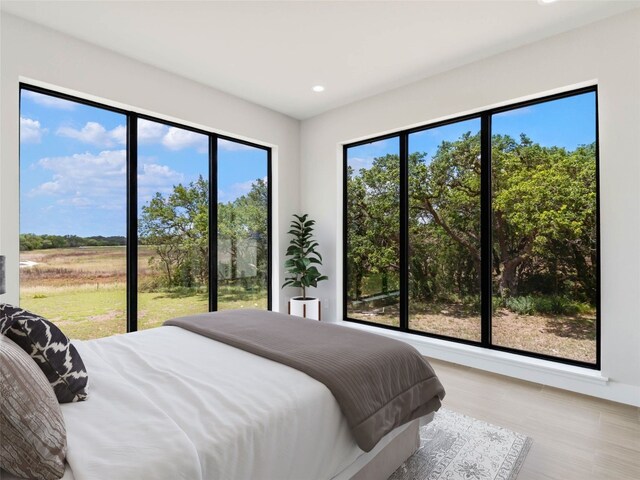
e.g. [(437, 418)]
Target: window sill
[(527, 368)]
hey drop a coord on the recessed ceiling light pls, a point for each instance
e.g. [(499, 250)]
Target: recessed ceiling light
[(546, 1), (318, 88)]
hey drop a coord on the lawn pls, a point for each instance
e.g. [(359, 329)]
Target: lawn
[(82, 290)]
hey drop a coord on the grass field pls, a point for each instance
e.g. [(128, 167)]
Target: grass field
[(83, 291)]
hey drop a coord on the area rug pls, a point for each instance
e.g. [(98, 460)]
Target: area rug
[(456, 447)]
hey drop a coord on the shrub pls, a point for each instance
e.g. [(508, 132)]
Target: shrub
[(560, 305), (546, 305), (521, 305), (497, 303)]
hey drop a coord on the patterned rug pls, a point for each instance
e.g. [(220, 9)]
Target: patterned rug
[(456, 447)]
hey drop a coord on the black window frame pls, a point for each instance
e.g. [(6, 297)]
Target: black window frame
[(132, 118), (485, 117)]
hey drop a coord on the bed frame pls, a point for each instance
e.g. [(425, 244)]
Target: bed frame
[(391, 452)]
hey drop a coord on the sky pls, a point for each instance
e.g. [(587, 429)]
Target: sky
[(568, 122), (73, 166)]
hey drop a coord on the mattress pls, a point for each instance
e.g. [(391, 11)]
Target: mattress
[(168, 403)]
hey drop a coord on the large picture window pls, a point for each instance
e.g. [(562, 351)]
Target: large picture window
[(120, 228), (497, 230)]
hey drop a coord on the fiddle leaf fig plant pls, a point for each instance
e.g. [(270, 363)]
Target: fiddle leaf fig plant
[(303, 257)]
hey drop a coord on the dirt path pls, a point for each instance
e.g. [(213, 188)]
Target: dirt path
[(570, 337)]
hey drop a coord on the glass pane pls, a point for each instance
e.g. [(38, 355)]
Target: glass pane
[(544, 228), (173, 224), (373, 230), (243, 226), (444, 230), (73, 215)]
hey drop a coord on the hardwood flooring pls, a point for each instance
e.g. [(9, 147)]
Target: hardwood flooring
[(575, 437)]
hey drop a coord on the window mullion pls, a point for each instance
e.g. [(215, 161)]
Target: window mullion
[(404, 231), (132, 222), (213, 223), (485, 229)]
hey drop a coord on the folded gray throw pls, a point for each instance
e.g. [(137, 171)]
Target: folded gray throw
[(379, 383)]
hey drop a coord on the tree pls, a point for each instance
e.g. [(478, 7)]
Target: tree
[(243, 234), (373, 219), (177, 226), (543, 219)]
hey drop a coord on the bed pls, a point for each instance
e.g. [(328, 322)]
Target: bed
[(171, 403)]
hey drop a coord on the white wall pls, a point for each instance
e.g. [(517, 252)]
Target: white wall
[(45, 57), (606, 53)]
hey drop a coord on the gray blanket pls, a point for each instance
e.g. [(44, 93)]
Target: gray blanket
[(379, 383)]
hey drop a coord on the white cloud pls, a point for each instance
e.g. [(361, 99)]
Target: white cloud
[(99, 181), (232, 146), (236, 190), (48, 100), (173, 138), (150, 132), (95, 134), (178, 139), (30, 130), (86, 180), (357, 163), (154, 174), (155, 178)]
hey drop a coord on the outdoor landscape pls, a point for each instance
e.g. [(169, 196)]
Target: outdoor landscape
[(82, 290), (544, 261), (73, 187), (73, 184), (80, 283)]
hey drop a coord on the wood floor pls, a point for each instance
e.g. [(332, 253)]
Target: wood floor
[(575, 437)]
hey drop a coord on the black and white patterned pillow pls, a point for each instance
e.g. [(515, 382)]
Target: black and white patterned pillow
[(51, 350)]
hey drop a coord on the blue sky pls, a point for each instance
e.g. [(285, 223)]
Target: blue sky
[(73, 166), (568, 122)]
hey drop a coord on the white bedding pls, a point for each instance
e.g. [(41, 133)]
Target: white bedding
[(170, 404)]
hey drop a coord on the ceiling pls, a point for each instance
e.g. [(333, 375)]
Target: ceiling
[(272, 53)]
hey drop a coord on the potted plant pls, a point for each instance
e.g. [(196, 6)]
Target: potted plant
[(302, 267)]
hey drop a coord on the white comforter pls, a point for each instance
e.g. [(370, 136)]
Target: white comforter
[(170, 404)]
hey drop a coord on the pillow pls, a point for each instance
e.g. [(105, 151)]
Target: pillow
[(50, 348), (33, 439)]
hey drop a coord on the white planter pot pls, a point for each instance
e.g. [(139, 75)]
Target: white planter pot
[(309, 308)]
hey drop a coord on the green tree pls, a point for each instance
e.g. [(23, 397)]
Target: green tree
[(177, 227), (544, 219)]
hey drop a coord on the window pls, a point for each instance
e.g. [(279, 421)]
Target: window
[(243, 226), (372, 241), (173, 223), (544, 210), (104, 251), (444, 230), (73, 214), (497, 222)]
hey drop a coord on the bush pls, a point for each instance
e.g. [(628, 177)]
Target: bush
[(561, 305), (546, 305), (521, 305)]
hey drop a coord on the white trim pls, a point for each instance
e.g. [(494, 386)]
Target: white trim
[(567, 377)]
